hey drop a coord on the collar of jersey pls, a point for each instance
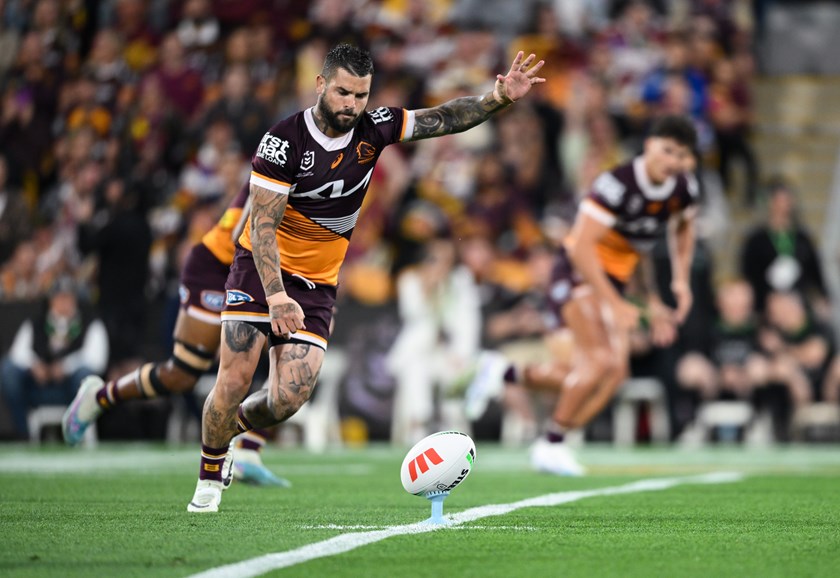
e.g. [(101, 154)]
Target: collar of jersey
[(651, 191), (329, 144)]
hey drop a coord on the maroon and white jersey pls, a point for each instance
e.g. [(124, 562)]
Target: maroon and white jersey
[(326, 180), (637, 212)]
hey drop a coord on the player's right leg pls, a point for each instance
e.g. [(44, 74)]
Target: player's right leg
[(595, 360), (241, 348)]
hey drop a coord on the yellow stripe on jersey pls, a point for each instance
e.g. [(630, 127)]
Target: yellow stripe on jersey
[(219, 240), (269, 183), (306, 248), (617, 256)]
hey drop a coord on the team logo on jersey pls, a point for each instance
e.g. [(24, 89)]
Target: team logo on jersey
[(273, 149), (381, 114), (337, 160), (213, 300), (634, 205), (308, 160), (237, 297), (366, 152), (184, 294)]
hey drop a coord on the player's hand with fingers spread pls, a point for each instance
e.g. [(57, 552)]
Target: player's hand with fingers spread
[(519, 79), (285, 314)]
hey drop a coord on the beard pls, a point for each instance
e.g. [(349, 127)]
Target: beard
[(338, 122)]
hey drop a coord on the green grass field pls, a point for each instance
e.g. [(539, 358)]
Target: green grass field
[(121, 511)]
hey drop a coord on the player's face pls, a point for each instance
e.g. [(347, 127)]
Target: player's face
[(342, 99), (665, 157)]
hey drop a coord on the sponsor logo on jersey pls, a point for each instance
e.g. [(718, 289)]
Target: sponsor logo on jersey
[(184, 294), (337, 160), (213, 300), (610, 188), (634, 205), (366, 152), (273, 149), (381, 114), (237, 297), (308, 160)]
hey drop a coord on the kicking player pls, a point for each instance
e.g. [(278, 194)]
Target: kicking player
[(197, 338), (310, 175), (627, 211)]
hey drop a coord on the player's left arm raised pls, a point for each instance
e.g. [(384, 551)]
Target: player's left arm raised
[(463, 113)]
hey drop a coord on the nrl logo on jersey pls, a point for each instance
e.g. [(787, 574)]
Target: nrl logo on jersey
[(273, 149), (381, 114), (308, 160)]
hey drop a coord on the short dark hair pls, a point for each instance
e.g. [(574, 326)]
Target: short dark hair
[(353, 59), (678, 128)]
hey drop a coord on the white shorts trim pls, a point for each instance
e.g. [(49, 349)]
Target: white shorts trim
[(203, 315)]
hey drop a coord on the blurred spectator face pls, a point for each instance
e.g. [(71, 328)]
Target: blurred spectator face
[(131, 15), (541, 265), (676, 54), (46, 15), (151, 97), (439, 260), (781, 204), (477, 254), (114, 191), (724, 72), (172, 53), (664, 158), (342, 99), (602, 131), (236, 83), (636, 16), (786, 311), (238, 48), (197, 10), (735, 303), (106, 47), (232, 170), (63, 305), (22, 263), (677, 97), (31, 50), (331, 14)]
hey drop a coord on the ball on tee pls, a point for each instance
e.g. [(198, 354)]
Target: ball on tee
[(438, 463)]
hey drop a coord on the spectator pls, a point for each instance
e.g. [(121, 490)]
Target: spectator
[(119, 235), (50, 356), (19, 276), (181, 84), (779, 255), (15, 220), (799, 348), (733, 365), (240, 109)]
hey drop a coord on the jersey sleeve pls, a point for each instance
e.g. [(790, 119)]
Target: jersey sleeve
[(272, 165), (392, 124), (605, 199)]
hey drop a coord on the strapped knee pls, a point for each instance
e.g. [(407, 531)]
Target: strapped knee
[(150, 384), (191, 359)]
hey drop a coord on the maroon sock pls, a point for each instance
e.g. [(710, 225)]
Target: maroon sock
[(242, 423), (253, 440), (511, 375), (108, 395), (555, 433), (211, 463)]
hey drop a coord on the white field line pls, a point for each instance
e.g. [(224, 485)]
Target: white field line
[(350, 541)]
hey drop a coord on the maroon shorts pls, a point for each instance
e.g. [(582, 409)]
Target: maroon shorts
[(245, 301), (202, 289), (564, 280)]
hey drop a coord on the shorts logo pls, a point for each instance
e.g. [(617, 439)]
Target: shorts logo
[(308, 160), (273, 149), (237, 297), (183, 294), (366, 152), (381, 114), (213, 300)]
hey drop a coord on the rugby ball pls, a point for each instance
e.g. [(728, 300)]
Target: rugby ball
[(438, 463)]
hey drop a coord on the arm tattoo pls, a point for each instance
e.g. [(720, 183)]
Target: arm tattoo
[(267, 209), (240, 336), (454, 116)]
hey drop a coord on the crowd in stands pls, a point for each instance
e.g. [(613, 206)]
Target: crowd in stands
[(127, 125)]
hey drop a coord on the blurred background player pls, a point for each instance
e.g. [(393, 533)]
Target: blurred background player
[(627, 211), (310, 176), (196, 337)]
